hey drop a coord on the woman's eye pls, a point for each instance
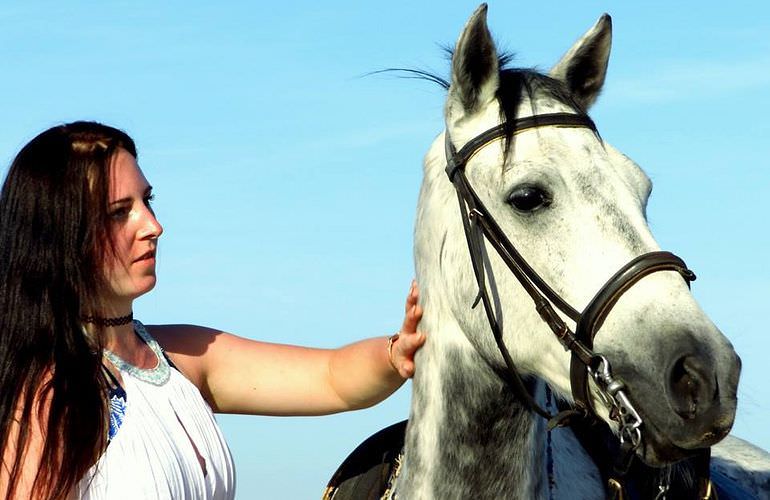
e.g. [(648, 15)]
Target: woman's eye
[(528, 198), (148, 203), (120, 213)]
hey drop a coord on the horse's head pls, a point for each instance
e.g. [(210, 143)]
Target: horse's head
[(574, 208)]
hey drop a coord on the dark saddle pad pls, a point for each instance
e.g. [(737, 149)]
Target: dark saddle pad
[(365, 474)]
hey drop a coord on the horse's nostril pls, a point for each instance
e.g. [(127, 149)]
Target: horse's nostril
[(691, 387)]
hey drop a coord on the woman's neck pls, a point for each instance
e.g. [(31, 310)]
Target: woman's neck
[(115, 328)]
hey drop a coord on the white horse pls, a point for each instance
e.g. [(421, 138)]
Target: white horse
[(574, 208)]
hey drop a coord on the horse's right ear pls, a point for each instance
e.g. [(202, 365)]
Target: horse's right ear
[(475, 75)]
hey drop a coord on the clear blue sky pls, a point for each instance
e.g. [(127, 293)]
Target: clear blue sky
[(287, 182)]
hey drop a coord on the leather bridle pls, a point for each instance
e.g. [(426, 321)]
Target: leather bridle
[(479, 224)]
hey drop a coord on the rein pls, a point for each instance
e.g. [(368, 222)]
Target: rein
[(479, 225)]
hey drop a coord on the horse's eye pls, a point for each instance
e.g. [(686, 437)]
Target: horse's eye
[(528, 198)]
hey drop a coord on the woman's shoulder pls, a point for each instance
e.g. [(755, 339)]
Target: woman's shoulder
[(188, 347), (181, 338)]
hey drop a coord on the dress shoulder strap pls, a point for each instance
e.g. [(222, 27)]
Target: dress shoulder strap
[(112, 379)]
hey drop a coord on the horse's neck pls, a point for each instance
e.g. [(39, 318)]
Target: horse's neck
[(468, 437), (464, 425)]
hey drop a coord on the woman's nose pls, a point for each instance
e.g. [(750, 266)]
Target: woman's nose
[(152, 228)]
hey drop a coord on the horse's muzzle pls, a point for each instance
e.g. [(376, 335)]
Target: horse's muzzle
[(693, 409)]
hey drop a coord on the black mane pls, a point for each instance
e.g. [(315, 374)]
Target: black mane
[(515, 83)]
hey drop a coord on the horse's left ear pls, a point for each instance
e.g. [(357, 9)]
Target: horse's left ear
[(584, 66)]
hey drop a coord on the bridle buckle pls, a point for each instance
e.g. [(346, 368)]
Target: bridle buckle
[(612, 393)]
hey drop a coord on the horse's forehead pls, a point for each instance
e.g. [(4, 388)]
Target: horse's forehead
[(488, 117), (554, 144), (572, 153), (585, 163)]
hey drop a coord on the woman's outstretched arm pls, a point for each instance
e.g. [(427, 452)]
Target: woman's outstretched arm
[(239, 375)]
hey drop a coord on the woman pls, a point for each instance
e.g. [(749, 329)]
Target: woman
[(95, 405)]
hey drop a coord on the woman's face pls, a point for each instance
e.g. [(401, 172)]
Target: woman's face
[(135, 230)]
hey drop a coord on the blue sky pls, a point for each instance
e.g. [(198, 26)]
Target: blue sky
[(287, 181)]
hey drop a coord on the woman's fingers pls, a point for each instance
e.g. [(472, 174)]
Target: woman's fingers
[(409, 339), (404, 351), (412, 319), (413, 313), (407, 369), (412, 296)]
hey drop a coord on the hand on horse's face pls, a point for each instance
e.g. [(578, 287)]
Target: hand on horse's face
[(409, 340)]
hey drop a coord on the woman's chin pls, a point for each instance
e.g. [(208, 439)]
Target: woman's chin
[(148, 286), (134, 290)]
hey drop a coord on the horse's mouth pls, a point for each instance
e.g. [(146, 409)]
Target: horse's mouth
[(662, 452), (658, 449)]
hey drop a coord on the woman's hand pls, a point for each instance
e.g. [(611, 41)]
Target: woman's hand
[(403, 347)]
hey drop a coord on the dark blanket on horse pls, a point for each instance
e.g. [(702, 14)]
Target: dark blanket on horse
[(367, 473)]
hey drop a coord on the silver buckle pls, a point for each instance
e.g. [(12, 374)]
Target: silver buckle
[(613, 395)]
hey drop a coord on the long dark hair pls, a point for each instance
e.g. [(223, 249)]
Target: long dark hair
[(54, 237)]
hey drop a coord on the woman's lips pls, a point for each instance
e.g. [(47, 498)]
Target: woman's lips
[(146, 256)]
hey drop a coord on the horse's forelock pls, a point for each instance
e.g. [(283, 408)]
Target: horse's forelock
[(517, 83)]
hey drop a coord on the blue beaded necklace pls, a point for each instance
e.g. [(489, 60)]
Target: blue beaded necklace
[(155, 376)]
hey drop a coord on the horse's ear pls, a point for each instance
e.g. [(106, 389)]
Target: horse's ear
[(584, 66), (475, 75)]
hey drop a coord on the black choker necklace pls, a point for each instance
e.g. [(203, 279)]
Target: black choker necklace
[(98, 321)]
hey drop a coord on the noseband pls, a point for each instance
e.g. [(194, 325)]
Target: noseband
[(479, 224)]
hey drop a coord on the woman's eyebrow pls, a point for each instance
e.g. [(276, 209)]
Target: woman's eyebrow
[(147, 191), (122, 200)]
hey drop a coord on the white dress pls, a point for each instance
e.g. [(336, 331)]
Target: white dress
[(153, 455)]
